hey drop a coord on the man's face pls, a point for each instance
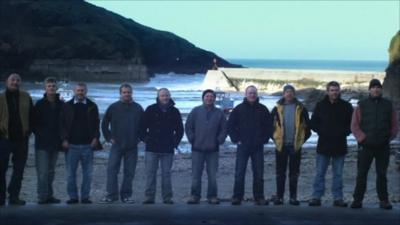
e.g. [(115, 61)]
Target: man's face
[(251, 94), (80, 92), (333, 92), (375, 91), (126, 94), (209, 99), (164, 96), (50, 88), (13, 82), (289, 95)]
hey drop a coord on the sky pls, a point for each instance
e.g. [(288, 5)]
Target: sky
[(323, 30)]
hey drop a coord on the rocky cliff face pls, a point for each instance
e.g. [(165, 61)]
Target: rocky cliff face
[(35, 32)]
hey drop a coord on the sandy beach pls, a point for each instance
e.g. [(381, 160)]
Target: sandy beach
[(181, 178)]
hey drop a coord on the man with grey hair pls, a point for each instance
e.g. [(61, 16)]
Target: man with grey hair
[(16, 111), (250, 127), (163, 130), (121, 127), (80, 134)]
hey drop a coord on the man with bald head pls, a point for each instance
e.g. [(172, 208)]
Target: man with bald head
[(15, 127), (250, 127), (163, 130)]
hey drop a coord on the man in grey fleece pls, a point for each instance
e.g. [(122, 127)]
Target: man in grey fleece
[(121, 127), (205, 129)]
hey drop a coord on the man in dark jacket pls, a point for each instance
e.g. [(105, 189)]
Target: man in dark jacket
[(250, 127), (121, 127), (47, 140), (16, 112), (374, 125), (205, 129), (291, 131), (163, 130), (331, 121), (80, 133)]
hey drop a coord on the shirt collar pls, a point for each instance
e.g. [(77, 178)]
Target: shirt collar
[(76, 101)]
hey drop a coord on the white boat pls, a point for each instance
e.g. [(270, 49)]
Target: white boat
[(224, 101)]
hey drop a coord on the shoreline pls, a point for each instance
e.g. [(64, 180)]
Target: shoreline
[(181, 178)]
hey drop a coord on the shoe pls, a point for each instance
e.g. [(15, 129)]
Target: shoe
[(168, 201), (193, 200), (278, 201), (72, 201), (16, 201), (213, 201), (294, 202), (53, 200), (127, 200), (385, 205), (340, 203), (314, 202), (42, 202), (86, 201), (356, 205), (106, 200), (261, 201), (148, 201), (236, 201)]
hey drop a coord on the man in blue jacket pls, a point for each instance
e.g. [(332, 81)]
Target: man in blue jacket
[(250, 127), (163, 130)]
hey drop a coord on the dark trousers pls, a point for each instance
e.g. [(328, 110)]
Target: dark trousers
[(19, 152), (256, 155), (365, 157), (282, 158)]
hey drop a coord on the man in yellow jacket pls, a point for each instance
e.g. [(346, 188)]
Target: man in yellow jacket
[(16, 111), (291, 130)]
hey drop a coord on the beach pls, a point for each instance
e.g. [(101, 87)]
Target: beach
[(181, 178)]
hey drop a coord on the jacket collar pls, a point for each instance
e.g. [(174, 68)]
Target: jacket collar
[(245, 101), (282, 101), (57, 97), (326, 99), (169, 104)]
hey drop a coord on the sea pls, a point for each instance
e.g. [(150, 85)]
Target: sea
[(186, 89)]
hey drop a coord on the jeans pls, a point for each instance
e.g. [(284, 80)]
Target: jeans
[(45, 168), (282, 158), (243, 154), (84, 155), (364, 160), (152, 160), (129, 156), (337, 172), (19, 152), (198, 160)]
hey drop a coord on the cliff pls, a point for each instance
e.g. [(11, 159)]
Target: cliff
[(62, 32)]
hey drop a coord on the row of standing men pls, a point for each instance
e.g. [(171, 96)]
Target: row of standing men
[(74, 127)]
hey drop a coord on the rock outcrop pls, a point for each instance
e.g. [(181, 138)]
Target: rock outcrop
[(74, 31)]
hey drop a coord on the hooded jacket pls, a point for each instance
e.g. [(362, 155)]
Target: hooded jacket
[(250, 124), (162, 128), (331, 121)]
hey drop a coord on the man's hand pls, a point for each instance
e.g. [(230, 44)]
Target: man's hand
[(94, 143), (65, 145)]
